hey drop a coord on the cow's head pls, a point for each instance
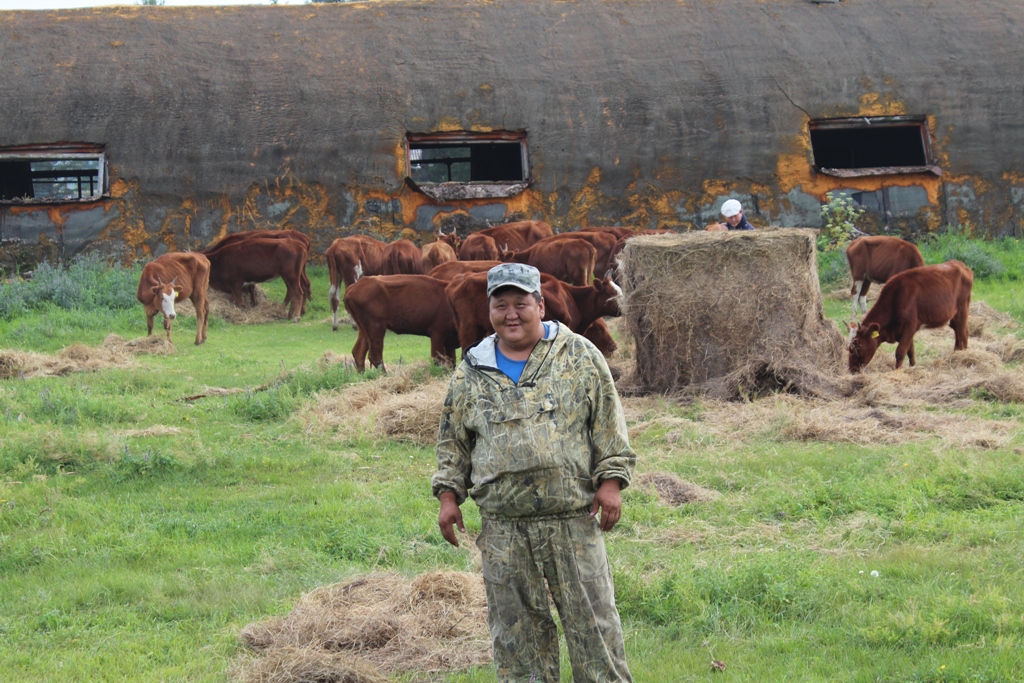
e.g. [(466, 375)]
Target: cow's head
[(449, 238), (164, 295), (864, 341), (609, 296), (506, 255)]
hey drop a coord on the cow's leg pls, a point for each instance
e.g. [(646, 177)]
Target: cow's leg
[(377, 348), (149, 323), (296, 299), (359, 351), (236, 294), (439, 352), (167, 328), (864, 295), (905, 347), (335, 303), (856, 294), (202, 315), (959, 325)]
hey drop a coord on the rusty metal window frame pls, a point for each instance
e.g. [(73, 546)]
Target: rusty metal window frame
[(445, 191), (96, 180), (874, 123)]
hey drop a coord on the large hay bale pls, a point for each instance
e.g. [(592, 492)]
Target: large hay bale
[(729, 314)]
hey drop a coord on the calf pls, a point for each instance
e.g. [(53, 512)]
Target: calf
[(436, 253), (402, 257), (479, 247), (260, 260), (876, 259), (517, 236), (599, 334), (570, 260), (169, 279), (404, 304), (929, 296), (603, 241)]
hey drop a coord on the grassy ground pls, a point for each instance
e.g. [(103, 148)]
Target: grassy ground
[(139, 532)]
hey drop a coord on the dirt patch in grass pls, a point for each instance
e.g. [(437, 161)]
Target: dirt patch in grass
[(674, 491), (374, 626), (403, 405), (153, 345), (155, 430)]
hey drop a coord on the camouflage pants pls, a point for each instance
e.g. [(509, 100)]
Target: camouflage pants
[(517, 557)]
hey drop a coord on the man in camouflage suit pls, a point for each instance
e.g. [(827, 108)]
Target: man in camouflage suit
[(532, 429)]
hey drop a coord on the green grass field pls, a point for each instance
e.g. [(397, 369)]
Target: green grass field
[(139, 532)]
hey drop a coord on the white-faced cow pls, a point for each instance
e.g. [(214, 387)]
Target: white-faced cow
[(929, 296), (171, 278), (876, 259)]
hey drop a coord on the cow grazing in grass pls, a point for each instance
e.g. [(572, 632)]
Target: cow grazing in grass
[(577, 307), (876, 259), (260, 260), (479, 247), (929, 296), (268, 234), (436, 253), (449, 271), (348, 259), (171, 278), (404, 304), (570, 260), (402, 257)]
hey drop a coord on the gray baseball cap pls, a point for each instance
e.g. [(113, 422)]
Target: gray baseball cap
[(526, 278)]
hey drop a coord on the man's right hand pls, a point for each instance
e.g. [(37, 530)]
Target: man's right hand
[(450, 515)]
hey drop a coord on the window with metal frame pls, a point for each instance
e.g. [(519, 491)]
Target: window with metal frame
[(52, 173), (872, 145), (467, 165)]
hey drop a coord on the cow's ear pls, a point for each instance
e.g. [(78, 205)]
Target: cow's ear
[(156, 290), (874, 327), (177, 289)]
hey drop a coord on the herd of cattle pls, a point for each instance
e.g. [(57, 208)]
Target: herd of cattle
[(439, 291)]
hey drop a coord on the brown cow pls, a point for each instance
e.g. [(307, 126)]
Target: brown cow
[(929, 296), (517, 236), (604, 242), (577, 307), (170, 278), (569, 260), (348, 259), (402, 257), (404, 304), (436, 253), (450, 238), (268, 234), (876, 259), (449, 271), (619, 231), (259, 260), (479, 247)]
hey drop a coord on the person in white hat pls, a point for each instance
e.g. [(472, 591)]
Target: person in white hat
[(732, 211)]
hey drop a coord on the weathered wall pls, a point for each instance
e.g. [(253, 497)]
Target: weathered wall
[(639, 112)]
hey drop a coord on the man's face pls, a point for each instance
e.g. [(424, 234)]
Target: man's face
[(733, 221), (517, 317)]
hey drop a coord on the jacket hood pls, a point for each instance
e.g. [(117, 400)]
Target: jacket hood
[(483, 354)]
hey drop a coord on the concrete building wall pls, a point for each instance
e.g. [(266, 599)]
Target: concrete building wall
[(637, 112)]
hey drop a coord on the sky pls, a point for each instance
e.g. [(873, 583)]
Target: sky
[(68, 4)]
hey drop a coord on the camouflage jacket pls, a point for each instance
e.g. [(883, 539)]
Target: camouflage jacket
[(537, 448)]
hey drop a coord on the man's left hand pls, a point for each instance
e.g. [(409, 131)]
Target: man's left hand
[(609, 499)]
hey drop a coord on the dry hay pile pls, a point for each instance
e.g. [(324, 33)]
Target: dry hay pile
[(404, 404), (371, 627), (264, 311), (74, 358), (154, 345), (724, 314), (674, 491)]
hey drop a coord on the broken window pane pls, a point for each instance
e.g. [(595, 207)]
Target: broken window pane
[(43, 174)]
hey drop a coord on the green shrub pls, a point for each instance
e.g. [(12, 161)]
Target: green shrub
[(87, 282), (832, 267), (840, 214)]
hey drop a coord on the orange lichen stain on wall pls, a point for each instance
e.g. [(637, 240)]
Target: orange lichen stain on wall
[(449, 124), (286, 188), (878, 104), (129, 225), (585, 199)]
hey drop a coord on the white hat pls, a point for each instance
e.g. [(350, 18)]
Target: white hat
[(731, 208)]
